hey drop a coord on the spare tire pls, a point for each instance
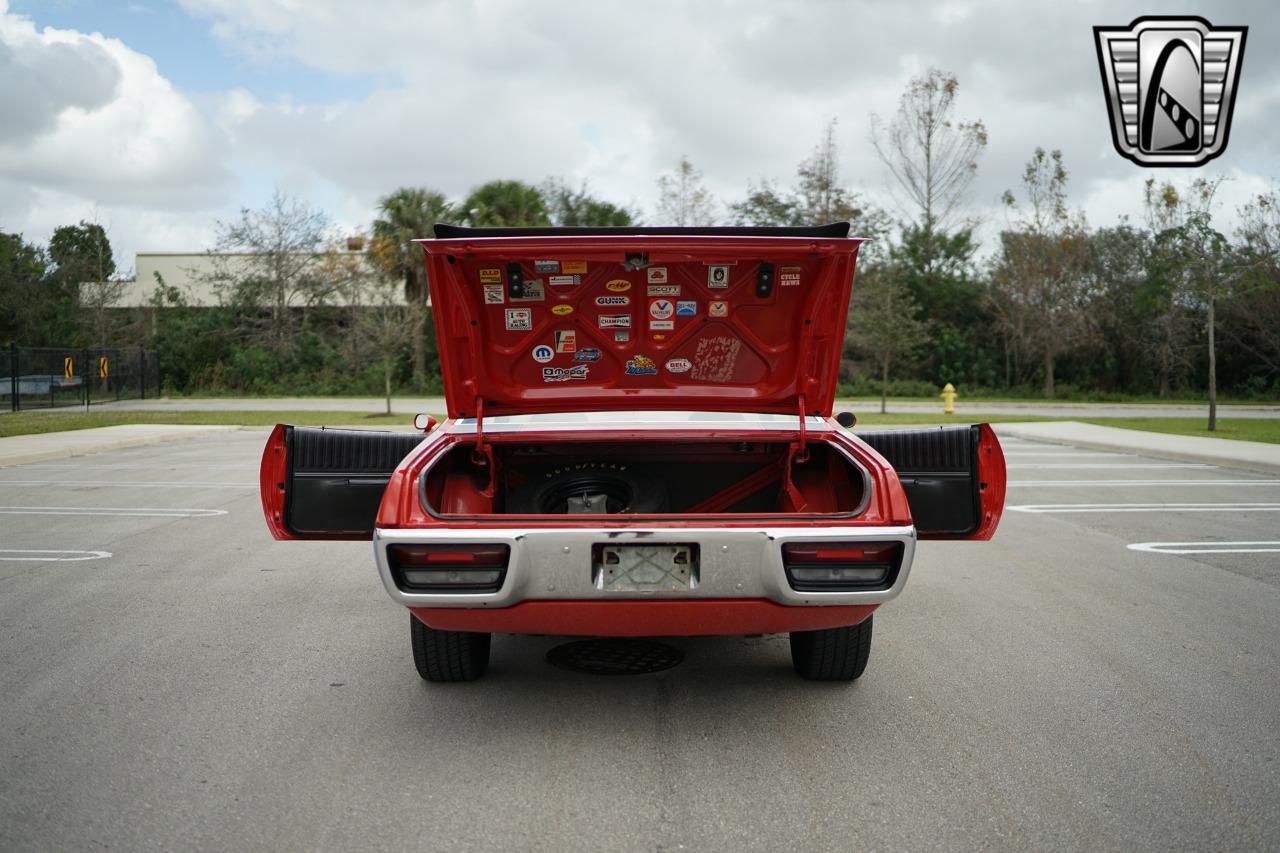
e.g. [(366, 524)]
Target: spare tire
[(595, 487)]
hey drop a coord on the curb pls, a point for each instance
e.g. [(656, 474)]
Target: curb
[(62, 445)]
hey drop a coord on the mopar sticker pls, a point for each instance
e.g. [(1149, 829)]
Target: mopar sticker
[(587, 354), (615, 321), (565, 280), (687, 308), (564, 374), (717, 309), (665, 325), (664, 290), (657, 275), (613, 301), (494, 294), (561, 310), (491, 276), (533, 292), (573, 266), (618, 285), (661, 309), (641, 365), (679, 365), (717, 276), (789, 277), (546, 266), (519, 319), (567, 340), (543, 353)]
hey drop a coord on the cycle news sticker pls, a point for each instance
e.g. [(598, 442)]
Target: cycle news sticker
[(641, 365), (494, 294), (546, 266), (687, 308), (519, 319), (618, 285), (567, 340), (664, 290), (533, 292), (613, 301), (565, 280), (615, 321), (657, 275), (491, 276), (789, 277), (564, 374), (679, 365), (561, 310), (661, 309), (718, 276), (543, 353), (718, 309)]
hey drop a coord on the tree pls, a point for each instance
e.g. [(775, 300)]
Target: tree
[(579, 208), (1253, 320), (33, 309), (765, 206), (406, 215), (884, 321), (1039, 276), (506, 204), (682, 198), (85, 266)]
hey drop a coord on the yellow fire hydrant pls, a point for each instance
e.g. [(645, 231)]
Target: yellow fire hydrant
[(948, 396)]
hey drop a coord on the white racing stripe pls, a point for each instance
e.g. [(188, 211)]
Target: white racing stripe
[(1138, 507), (1260, 547), (132, 484), (37, 555), (1180, 483), (123, 512), (1108, 465)]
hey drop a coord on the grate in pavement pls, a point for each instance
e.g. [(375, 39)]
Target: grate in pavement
[(617, 656)]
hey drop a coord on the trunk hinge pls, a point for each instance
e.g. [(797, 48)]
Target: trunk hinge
[(482, 455), (799, 455), (802, 452)]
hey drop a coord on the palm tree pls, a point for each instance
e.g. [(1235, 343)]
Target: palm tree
[(506, 203), (406, 215)]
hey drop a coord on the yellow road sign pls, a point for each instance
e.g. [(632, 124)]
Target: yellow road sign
[(104, 369), (69, 367)]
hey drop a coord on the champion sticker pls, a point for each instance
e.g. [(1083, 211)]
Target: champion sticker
[(533, 292), (661, 309), (657, 275), (687, 308), (561, 310), (543, 353), (546, 266), (491, 276), (679, 365), (612, 301), (567, 340), (615, 321), (519, 319), (641, 365), (717, 309), (618, 285), (494, 294), (789, 277), (564, 374), (565, 280), (573, 267), (664, 290)]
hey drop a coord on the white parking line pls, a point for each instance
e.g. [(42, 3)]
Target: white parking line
[(36, 555), (1268, 547), (1179, 483), (1200, 507), (1108, 465), (124, 512), (133, 484), (1072, 453)]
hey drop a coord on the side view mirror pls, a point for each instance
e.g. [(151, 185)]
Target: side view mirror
[(424, 422)]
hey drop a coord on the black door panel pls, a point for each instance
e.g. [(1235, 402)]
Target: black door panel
[(938, 468)]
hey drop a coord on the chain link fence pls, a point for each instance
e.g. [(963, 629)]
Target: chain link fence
[(46, 377)]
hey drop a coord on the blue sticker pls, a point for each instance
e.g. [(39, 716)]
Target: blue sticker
[(687, 309), (587, 354)]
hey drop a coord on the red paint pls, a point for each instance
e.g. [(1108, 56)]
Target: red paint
[(271, 481), (653, 618), (767, 355), (992, 478)]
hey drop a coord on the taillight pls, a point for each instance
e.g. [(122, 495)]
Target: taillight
[(841, 566), (477, 567)]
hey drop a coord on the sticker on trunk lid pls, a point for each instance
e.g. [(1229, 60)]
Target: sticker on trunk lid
[(717, 309), (491, 276), (565, 280), (641, 365), (618, 285), (664, 290), (679, 365), (546, 266), (615, 321), (789, 277), (573, 266), (661, 309), (613, 301), (567, 340), (494, 294), (533, 292), (564, 374), (657, 275), (519, 319), (718, 276), (543, 353)]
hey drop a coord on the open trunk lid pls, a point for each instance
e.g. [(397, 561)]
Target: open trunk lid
[(700, 319)]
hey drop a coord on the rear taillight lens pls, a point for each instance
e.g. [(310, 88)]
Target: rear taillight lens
[(841, 566), (449, 568)]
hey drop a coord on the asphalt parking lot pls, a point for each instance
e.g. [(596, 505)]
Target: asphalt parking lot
[(174, 679)]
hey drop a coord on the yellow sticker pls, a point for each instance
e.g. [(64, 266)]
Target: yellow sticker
[(570, 267), (618, 285), (491, 276), (562, 309)]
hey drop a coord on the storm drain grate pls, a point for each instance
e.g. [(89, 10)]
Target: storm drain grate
[(615, 656)]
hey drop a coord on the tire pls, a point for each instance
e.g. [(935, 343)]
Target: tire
[(833, 654), (628, 489), (448, 655)]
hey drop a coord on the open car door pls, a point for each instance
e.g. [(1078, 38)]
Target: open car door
[(954, 477), (319, 483)]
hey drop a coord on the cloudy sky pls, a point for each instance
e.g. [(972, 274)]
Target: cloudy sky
[(158, 119)]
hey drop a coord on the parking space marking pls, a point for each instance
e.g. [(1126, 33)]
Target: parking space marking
[(1109, 465), (37, 555), (123, 512), (1148, 507), (1179, 483), (133, 484), (1260, 547), (1072, 453)]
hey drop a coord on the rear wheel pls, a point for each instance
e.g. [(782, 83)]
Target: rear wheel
[(448, 655), (833, 654)]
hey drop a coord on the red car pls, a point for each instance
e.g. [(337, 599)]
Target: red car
[(640, 442)]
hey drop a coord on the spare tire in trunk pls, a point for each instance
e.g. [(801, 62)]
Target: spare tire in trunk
[(596, 488)]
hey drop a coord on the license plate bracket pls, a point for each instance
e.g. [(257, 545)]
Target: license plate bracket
[(648, 567)]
